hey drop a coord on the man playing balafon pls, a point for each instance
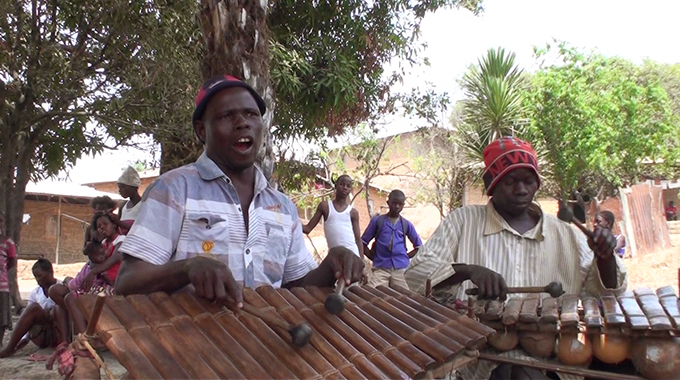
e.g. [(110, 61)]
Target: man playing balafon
[(511, 242), (217, 224)]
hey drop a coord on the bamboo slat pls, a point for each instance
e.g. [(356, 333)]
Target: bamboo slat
[(120, 343), (382, 333), (469, 323), (402, 361), (410, 320), (353, 338), (419, 337), (175, 342), (229, 349), (456, 335), (291, 315), (269, 361), (456, 321), (357, 317)]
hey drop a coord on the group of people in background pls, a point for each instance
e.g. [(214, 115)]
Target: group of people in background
[(51, 305), (389, 252)]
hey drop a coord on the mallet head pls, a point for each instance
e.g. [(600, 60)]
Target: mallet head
[(301, 334)]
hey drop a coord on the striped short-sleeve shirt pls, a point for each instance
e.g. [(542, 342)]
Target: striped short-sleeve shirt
[(195, 210)]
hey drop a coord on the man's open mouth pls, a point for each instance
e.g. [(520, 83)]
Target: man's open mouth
[(243, 144)]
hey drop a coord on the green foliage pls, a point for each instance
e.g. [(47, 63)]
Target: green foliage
[(78, 77), (493, 105), (599, 119), (441, 169), (328, 60)]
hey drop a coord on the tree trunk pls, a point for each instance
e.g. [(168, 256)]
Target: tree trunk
[(369, 204), (237, 43)]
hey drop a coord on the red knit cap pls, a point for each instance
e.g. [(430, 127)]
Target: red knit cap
[(504, 155)]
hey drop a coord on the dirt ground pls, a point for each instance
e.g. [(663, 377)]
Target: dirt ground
[(649, 270)]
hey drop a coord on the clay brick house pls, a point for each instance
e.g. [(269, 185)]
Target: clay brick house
[(56, 215), (111, 186)]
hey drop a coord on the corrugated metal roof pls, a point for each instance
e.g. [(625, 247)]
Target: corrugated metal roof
[(66, 189)]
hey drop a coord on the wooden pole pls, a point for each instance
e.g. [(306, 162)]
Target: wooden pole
[(593, 374), (94, 316), (628, 223), (56, 254)]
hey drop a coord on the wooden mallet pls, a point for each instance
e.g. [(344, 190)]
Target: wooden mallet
[(335, 302), (566, 215), (554, 289), (299, 334)]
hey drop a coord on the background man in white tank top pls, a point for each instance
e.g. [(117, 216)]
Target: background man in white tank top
[(341, 220)]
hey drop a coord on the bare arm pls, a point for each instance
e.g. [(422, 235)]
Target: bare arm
[(354, 216), (139, 277), (321, 210), (211, 278)]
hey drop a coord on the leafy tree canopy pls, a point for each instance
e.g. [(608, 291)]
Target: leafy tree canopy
[(600, 119)]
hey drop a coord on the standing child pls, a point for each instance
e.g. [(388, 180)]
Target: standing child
[(341, 220), (389, 253), (8, 260), (606, 219)]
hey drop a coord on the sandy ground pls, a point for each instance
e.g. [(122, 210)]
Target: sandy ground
[(650, 270)]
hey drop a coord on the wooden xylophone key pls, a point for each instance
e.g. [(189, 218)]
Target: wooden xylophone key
[(613, 315), (592, 316), (669, 301), (569, 317), (529, 311), (550, 312), (649, 302), (511, 312), (636, 318), (494, 311)]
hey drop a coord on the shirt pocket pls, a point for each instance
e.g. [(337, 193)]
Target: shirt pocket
[(204, 233)]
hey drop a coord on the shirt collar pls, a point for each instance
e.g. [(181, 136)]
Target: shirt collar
[(209, 171), (495, 223)]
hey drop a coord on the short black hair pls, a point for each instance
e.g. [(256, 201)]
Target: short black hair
[(103, 200), (608, 216), (44, 265), (396, 193), (343, 176), (92, 247), (98, 216)]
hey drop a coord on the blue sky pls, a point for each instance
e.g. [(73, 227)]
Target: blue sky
[(631, 29)]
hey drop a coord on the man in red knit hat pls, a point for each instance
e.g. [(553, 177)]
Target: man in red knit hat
[(511, 242)]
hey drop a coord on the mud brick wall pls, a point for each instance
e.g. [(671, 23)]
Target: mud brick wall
[(39, 236)]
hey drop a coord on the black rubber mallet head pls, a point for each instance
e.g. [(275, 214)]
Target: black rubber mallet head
[(299, 334), (335, 302)]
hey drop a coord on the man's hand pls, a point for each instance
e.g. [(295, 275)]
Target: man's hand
[(344, 264), (490, 284), (602, 243), (213, 280)]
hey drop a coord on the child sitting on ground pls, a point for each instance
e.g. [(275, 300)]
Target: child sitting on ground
[(38, 322)]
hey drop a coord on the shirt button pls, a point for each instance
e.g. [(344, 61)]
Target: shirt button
[(248, 251), (239, 209)]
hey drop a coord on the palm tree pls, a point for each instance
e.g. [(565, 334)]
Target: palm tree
[(493, 105)]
